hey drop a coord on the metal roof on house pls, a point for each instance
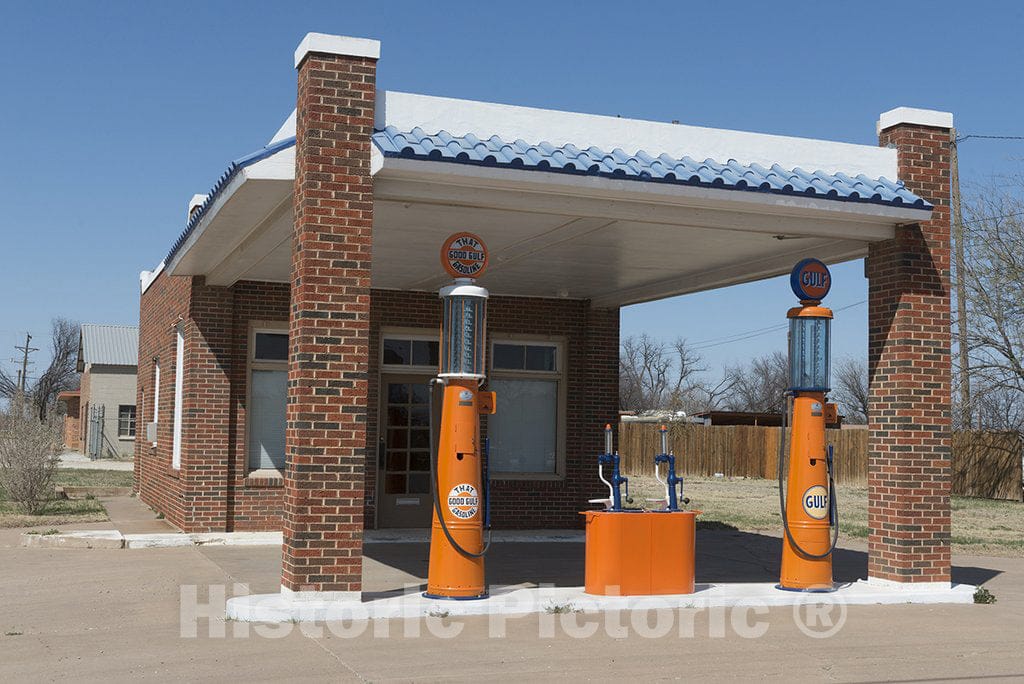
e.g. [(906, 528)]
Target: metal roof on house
[(109, 345), (640, 166)]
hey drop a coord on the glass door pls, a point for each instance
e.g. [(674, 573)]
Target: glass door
[(404, 460)]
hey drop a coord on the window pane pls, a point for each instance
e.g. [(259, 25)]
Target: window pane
[(396, 460), (420, 439), (394, 484), (398, 417), (425, 352), (397, 352), (419, 483), (540, 358), (269, 393), (398, 439), (509, 356), (419, 460), (125, 421), (271, 347), (532, 403), (421, 416), (398, 393), (420, 393)]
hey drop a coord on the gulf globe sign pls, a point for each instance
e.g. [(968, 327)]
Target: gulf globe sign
[(810, 280), (464, 255)]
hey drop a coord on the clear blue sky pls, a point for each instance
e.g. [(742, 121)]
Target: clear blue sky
[(114, 114)]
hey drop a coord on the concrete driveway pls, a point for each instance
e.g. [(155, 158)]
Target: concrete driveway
[(113, 614)]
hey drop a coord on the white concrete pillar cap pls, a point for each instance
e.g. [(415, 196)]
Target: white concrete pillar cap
[(917, 117), (336, 45)]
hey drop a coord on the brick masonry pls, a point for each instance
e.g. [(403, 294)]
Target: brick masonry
[(910, 374), (329, 325)]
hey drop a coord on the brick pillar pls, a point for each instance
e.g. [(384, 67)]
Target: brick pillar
[(329, 318), (909, 365)]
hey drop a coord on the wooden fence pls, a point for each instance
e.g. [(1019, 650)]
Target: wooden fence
[(985, 464)]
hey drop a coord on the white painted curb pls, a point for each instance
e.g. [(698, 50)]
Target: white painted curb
[(520, 601)]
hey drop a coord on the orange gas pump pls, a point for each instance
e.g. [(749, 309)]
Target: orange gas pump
[(458, 457), (808, 504)]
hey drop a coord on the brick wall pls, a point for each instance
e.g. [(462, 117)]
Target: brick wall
[(909, 368), (327, 379), (215, 479), (592, 373), (167, 301)]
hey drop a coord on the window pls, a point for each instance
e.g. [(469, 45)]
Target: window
[(156, 393), (408, 350), (179, 392), (268, 398), (126, 421), (529, 382)]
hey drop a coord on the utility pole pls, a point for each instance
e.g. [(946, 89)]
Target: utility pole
[(26, 350), (961, 301)]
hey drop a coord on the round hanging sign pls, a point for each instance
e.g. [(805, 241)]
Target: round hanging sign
[(810, 280), (464, 255)]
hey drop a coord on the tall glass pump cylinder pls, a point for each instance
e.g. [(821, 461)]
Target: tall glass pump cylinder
[(809, 354), (463, 331)]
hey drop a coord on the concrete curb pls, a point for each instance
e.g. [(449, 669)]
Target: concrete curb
[(112, 539), (524, 601), (82, 539), (106, 539)]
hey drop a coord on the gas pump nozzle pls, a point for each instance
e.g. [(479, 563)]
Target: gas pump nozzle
[(671, 482), (614, 500)]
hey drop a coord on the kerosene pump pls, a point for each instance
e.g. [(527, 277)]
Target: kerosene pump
[(457, 545), (808, 504)]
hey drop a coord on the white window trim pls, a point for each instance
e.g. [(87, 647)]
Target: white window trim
[(415, 334), (558, 375), (156, 395), (179, 392), (274, 328)]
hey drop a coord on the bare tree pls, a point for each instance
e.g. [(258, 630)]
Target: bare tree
[(758, 386), (850, 389), (657, 375), (992, 282), (58, 377)]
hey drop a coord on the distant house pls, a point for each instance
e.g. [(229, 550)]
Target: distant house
[(108, 361)]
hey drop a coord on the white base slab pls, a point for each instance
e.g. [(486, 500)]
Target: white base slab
[(80, 539), (169, 540), (519, 601)]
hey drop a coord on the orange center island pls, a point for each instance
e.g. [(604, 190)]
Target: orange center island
[(640, 553)]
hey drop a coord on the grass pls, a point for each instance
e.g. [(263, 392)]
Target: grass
[(980, 526), (74, 477), (66, 511)]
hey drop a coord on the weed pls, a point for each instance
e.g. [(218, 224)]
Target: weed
[(559, 608), (983, 595)]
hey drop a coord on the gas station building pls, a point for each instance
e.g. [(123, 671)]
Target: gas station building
[(287, 339)]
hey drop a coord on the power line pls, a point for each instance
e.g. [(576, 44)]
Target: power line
[(751, 334), (989, 137)]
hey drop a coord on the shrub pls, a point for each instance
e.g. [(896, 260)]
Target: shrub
[(28, 459)]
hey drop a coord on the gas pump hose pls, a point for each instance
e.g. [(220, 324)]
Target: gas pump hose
[(834, 509), (434, 455)]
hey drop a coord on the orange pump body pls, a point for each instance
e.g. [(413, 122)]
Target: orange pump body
[(460, 489), (806, 511)]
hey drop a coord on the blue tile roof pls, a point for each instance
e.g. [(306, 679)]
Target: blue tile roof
[(225, 178), (641, 166)]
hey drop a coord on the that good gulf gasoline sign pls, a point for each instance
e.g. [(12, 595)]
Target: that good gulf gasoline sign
[(815, 502), (810, 280), (463, 501), (464, 255)]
